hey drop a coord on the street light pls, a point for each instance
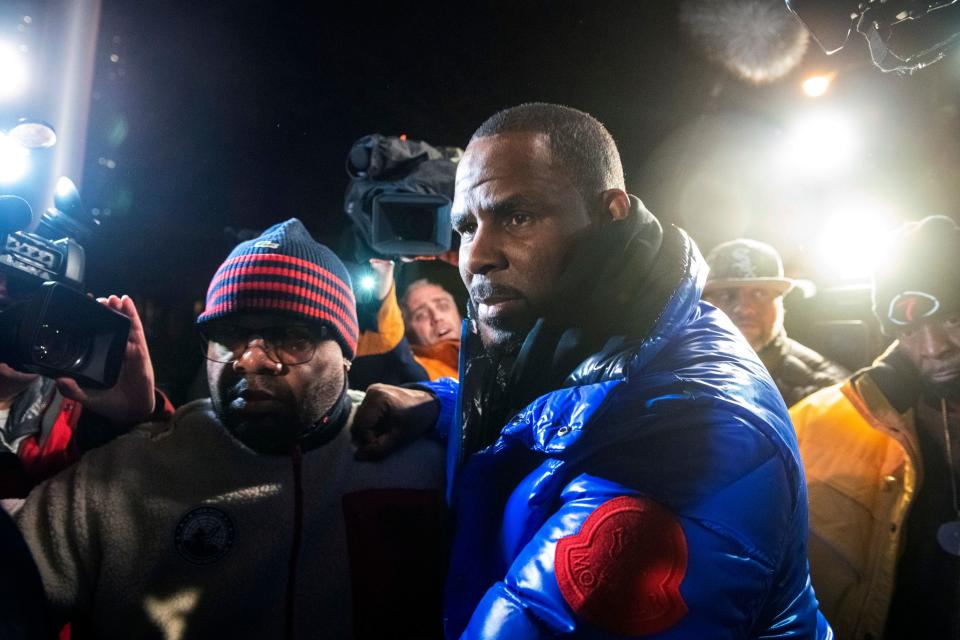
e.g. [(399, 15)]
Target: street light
[(816, 86)]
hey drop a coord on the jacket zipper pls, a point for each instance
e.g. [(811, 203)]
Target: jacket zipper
[(297, 460)]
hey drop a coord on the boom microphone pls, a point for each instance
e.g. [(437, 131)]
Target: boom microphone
[(757, 40)]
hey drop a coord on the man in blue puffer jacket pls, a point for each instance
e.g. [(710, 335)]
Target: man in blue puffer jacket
[(619, 462)]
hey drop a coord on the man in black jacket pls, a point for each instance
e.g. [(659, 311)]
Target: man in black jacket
[(746, 282)]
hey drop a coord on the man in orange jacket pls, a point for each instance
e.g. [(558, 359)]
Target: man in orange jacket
[(413, 340), (882, 456)]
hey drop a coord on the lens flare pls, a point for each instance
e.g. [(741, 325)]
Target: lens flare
[(820, 144), (854, 240), (13, 72), (14, 160)]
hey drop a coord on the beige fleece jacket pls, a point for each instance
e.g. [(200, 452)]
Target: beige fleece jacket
[(179, 531)]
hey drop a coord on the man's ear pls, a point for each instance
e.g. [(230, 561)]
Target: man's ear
[(615, 204)]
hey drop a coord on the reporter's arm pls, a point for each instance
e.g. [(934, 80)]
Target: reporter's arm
[(390, 417)]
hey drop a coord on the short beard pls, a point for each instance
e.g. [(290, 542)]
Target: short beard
[(507, 347), (278, 433), (500, 342)]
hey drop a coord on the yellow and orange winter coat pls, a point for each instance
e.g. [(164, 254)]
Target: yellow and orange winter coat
[(863, 470)]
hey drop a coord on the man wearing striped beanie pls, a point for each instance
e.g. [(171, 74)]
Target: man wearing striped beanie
[(298, 293), (246, 515)]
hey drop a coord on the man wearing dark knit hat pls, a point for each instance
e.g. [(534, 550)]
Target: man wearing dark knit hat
[(246, 514), (882, 456), (746, 282)]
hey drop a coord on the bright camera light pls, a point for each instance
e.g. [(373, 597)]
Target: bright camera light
[(64, 187), (367, 283), (819, 144), (14, 160), (816, 86), (854, 240), (13, 72)]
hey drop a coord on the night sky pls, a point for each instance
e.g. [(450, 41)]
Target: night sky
[(240, 114)]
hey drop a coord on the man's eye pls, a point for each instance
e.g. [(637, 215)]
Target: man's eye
[(289, 336), (719, 298), (952, 321), (227, 335), (518, 219), (907, 332), (295, 345)]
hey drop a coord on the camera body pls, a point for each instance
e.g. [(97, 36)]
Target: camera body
[(399, 196), (48, 326), (27, 256)]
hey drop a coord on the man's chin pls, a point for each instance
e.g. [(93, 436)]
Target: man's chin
[(947, 389), (501, 341), (757, 339)]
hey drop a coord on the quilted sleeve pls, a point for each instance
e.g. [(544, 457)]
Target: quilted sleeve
[(611, 561), (445, 389)]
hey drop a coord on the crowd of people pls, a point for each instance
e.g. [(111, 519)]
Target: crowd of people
[(618, 439)]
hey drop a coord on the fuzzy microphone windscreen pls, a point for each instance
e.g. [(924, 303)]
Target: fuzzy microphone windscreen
[(758, 40)]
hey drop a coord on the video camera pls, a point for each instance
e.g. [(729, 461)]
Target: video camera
[(47, 325), (400, 194)]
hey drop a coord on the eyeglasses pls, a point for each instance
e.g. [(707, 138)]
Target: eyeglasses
[(289, 345)]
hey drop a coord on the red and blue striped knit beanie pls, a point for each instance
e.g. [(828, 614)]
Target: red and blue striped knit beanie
[(284, 270)]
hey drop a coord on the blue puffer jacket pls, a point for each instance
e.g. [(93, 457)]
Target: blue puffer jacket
[(658, 493)]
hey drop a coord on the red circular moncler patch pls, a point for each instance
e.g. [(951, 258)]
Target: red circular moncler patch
[(622, 571)]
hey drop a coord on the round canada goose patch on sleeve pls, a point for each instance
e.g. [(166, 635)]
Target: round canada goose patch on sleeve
[(622, 571), (204, 535)]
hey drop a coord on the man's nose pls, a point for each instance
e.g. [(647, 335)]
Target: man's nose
[(254, 359), (742, 305), (483, 253), (933, 341)]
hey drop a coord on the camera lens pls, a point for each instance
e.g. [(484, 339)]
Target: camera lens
[(59, 348)]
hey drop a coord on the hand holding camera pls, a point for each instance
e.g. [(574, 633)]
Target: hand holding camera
[(132, 399), (47, 325)]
